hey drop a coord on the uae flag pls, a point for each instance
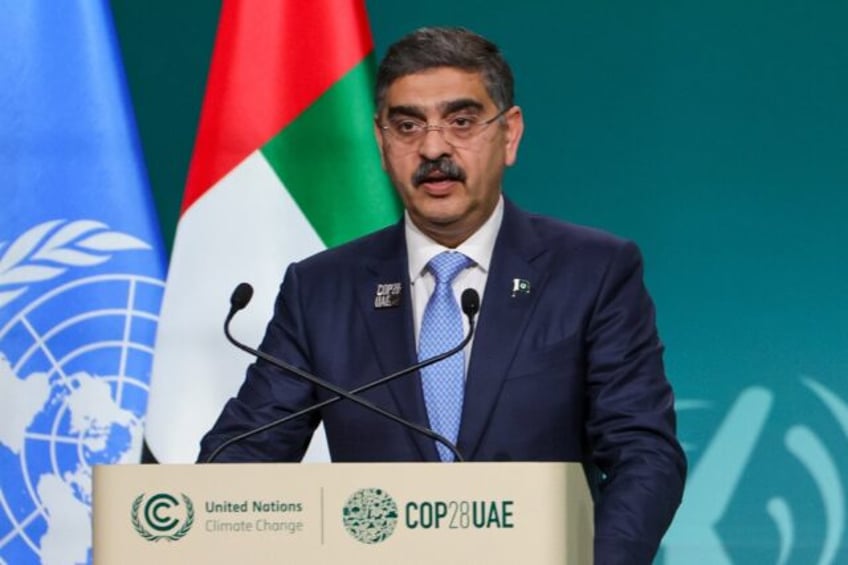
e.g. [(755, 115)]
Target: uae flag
[(285, 164)]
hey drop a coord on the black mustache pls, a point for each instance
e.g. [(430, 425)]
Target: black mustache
[(444, 165)]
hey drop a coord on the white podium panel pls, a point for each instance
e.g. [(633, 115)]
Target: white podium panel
[(322, 513)]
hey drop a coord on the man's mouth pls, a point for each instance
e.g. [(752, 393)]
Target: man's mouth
[(438, 178)]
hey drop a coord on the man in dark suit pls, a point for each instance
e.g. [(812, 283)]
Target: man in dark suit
[(566, 364)]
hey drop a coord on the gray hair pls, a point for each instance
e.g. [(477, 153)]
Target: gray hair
[(456, 47)]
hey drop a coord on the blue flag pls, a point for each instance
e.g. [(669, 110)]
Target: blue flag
[(81, 275)]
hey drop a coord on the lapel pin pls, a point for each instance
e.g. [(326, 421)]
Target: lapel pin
[(387, 295), (520, 286)]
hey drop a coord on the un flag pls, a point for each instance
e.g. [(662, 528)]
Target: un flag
[(81, 269)]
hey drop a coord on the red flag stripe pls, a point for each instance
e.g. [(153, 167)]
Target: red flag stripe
[(272, 59)]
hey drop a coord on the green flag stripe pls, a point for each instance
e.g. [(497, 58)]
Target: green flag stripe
[(329, 161)]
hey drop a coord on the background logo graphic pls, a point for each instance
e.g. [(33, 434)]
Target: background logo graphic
[(74, 368), (370, 515), (773, 470), (163, 514)]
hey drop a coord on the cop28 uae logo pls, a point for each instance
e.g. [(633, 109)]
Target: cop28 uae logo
[(163, 514), (370, 515)]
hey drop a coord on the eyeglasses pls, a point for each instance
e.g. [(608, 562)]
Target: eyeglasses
[(459, 130)]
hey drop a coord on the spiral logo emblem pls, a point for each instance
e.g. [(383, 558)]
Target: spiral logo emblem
[(164, 514)]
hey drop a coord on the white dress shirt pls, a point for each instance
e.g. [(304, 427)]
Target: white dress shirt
[(420, 249)]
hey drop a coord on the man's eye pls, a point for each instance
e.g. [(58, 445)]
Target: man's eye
[(462, 122), (407, 126)]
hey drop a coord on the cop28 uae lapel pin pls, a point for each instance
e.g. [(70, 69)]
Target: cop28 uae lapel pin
[(387, 295)]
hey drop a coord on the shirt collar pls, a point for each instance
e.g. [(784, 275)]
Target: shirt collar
[(420, 248)]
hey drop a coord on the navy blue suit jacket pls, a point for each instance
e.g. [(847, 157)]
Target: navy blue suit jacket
[(569, 371)]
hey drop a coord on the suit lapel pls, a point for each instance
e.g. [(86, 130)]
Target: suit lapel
[(503, 317), (392, 333)]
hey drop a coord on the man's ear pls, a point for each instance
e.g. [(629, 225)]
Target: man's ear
[(514, 130), (380, 136)]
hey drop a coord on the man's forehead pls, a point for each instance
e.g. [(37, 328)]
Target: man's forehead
[(438, 89)]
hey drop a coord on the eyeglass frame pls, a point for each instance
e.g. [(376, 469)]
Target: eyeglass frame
[(427, 127)]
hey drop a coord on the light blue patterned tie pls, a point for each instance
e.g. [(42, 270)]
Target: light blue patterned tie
[(441, 329)]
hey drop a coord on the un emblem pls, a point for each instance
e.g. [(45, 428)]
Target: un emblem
[(163, 514), (79, 304), (370, 515)]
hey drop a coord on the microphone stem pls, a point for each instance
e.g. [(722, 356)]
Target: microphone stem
[(341, 393)]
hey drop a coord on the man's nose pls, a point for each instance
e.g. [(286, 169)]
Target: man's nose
[(433, 144)]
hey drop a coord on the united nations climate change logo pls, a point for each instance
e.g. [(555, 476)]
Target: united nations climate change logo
[(163, 514), (75, 358), (370, 515)]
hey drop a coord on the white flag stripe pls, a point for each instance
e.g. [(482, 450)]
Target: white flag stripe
[(246, 228)]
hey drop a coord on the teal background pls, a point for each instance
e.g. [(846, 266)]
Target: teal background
[(715, 134)]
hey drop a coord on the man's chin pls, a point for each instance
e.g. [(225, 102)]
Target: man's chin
[(439, 218)]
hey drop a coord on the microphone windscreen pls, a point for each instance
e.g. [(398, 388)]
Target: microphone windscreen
[(241, 296), (470, 302)]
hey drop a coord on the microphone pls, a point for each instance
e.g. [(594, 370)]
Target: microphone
[(470, 301), (239, 299)]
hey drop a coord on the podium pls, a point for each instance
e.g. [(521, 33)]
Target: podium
[(325, 513)]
